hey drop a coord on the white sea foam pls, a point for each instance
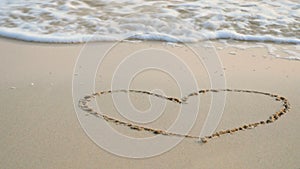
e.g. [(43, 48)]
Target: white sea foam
[(281, 51), (71, 21)]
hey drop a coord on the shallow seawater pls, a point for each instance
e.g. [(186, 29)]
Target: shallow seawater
[(182, 20), (265, 22)]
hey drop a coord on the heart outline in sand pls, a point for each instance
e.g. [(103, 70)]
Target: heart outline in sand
[(84, 105)]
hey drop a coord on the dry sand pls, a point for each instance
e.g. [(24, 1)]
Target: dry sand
[(39, 126)]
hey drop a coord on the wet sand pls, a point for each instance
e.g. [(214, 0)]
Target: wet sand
[(40, 129)]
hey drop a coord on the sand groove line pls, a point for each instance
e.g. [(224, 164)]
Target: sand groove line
[(84, 105)]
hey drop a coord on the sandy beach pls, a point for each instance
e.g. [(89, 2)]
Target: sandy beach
[(40, 129)]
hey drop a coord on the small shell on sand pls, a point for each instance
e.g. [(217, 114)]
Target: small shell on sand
[(204, 140)]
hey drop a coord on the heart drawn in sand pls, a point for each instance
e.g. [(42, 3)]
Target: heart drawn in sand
[(84, 105)]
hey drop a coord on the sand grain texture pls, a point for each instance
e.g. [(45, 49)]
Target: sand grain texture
[(39, 128)]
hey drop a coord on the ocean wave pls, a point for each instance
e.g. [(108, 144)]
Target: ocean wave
[(53, 38), (77, 21)]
